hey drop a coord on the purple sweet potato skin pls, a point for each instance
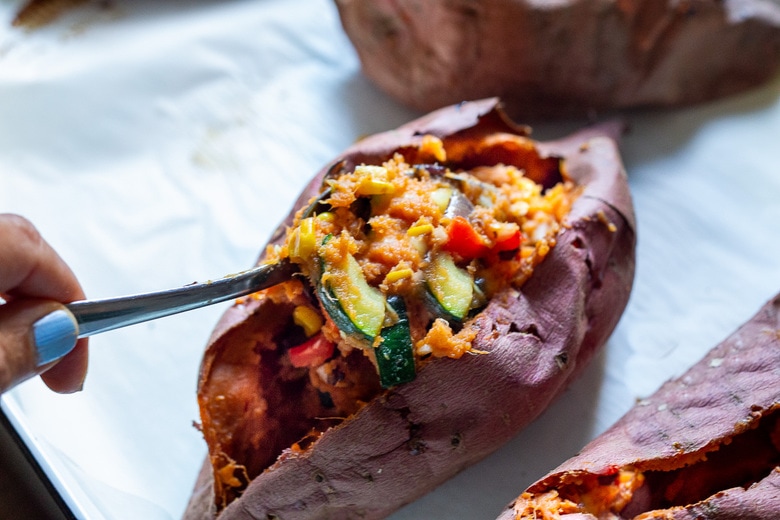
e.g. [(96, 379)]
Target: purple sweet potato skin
[(566, 56), (726, 392), (415, 436)]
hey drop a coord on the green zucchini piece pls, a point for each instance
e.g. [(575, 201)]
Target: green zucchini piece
[(451, 286), (336, 313), (363, 305), (394, 355), (331, 304)]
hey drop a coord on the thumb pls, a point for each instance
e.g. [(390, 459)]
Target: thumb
[(33, 334)]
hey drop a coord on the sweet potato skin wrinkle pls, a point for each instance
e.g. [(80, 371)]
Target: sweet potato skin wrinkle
[(413, 437), (564, 57), (689, 420)]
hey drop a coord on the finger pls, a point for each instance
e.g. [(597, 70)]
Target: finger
[(68, 375), (35, 334), (30, 267)]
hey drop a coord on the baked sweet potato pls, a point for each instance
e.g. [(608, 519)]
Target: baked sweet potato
[(567, 57), (705, 446), (299, 428)]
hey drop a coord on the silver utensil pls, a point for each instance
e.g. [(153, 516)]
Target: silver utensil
[(96, 316)]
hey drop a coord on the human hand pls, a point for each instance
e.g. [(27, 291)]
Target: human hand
[(38, 335)]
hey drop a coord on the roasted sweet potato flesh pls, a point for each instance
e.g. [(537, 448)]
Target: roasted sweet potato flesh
[(259, 405), (355, 450), (704, 446), (740, 461), (633, 493), (263, 398)]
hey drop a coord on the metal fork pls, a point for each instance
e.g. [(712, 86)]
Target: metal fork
[(96, 316)]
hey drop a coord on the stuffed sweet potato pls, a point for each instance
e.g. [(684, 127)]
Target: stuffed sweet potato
[(455, 276), (705, 446), (564, 57)]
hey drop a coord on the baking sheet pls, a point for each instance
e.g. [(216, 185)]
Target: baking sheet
[(156, 144)]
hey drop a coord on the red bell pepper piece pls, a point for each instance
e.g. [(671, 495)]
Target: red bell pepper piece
[(509, 243), (311, 353), (464, 240)]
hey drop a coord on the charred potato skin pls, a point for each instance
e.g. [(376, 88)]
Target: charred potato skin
[(726, 393), (568, 57), (415, 436)]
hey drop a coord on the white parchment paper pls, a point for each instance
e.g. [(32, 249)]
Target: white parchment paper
[(158, 143)]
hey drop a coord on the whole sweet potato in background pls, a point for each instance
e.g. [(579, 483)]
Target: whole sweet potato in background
[(37, 13), (411, 438), (707, 443), (564, 57)]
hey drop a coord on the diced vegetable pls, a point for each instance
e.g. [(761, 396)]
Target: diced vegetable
[(419, 229), (441, 196), (362, 304), (509, 243), (336, 313), (374, 181), (451, 286), (312, 353), (331, 305), (398, 274), (308, 319), (394, 355), (463, 239), (304, 240), (458, 205), (374, 187)]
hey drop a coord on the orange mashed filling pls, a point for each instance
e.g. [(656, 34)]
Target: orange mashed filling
[(397, 259), (394, 217), (603, 498), (665, 486)]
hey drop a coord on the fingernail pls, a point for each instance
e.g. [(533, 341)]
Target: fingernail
[(55, 335)]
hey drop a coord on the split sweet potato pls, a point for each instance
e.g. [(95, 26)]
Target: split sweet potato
[(274, 449), (564, 57), (705, 446)]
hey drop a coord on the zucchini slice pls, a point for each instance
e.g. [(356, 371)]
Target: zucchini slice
[(361, 304), (394, 355), (451, 286)]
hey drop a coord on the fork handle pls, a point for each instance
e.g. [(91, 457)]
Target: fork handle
[(96, 316)]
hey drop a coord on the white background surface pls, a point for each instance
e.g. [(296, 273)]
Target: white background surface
[(156, 145)]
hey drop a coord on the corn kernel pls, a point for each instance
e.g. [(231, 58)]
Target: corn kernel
[(419, 229), (398, 274), (308, 319), (326, 216), (303, 240), (373, 186)]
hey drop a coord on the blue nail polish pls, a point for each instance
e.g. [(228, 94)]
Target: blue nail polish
[(55, 335)]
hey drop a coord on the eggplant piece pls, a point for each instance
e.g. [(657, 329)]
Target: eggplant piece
[(704, 446), (276, 452)]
